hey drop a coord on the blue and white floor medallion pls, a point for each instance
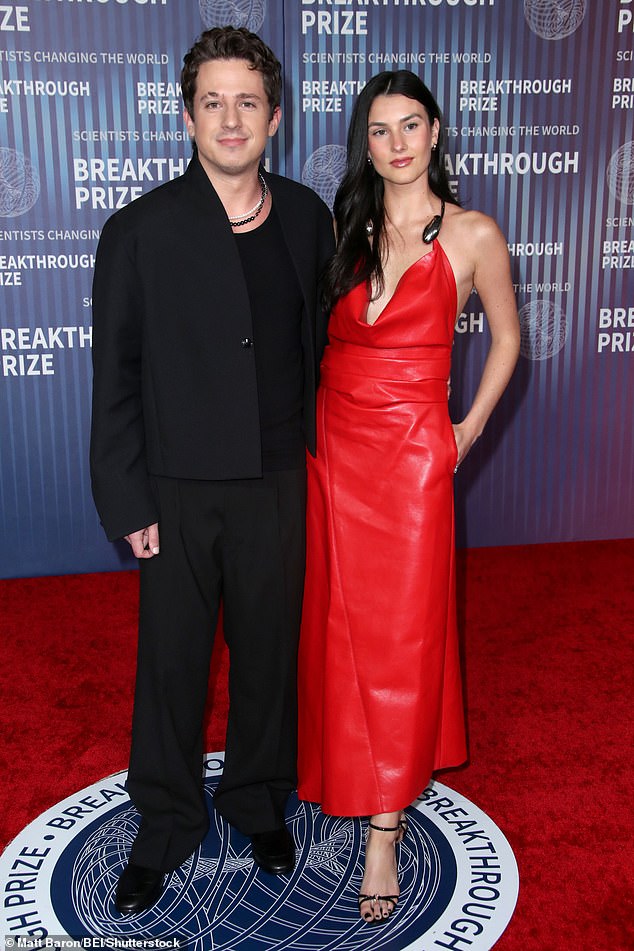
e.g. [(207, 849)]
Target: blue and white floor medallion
[(458, 880)]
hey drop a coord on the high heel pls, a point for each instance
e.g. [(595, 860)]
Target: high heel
[(401, 829)]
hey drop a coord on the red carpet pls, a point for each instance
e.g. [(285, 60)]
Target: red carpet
[(549, 661)]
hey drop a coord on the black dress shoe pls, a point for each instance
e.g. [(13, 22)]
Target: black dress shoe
[(274, 851), (138, 889)]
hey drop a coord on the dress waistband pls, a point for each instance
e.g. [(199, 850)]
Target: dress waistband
[(417, 373)]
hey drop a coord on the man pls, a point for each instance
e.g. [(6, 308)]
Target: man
[(207, 335)]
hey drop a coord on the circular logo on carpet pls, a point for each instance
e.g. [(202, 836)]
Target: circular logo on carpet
[(458, 880)]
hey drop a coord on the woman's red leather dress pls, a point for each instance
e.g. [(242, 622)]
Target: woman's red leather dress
[(380, 702)]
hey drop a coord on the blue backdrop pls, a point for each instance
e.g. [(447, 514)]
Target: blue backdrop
[(538, 99)]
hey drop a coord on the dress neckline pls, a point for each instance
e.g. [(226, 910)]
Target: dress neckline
[(363, 319)]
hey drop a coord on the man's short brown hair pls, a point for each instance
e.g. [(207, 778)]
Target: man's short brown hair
[(228, 42)]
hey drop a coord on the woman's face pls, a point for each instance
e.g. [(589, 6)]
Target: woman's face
[(400, 138)]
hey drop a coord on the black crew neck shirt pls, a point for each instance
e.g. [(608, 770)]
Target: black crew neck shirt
[(276, 303)]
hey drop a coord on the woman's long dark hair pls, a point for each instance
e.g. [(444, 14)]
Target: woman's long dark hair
[(359, 199)]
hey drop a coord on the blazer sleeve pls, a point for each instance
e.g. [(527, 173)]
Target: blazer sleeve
[(121, 484)]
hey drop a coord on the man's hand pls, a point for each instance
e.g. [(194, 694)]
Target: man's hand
[(145, 542)]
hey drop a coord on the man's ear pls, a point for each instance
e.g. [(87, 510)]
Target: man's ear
[(274, 121), (189, 124)]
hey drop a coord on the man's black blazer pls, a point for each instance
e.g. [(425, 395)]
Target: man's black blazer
[(174, 389)]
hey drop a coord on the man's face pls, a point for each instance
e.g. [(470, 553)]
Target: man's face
[(231, 120)]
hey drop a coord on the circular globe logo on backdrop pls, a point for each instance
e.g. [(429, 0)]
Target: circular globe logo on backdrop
[(620, 174), (323, 170), (543, 330), (554, 19), (19, 183), (249, 13), (458, 878)]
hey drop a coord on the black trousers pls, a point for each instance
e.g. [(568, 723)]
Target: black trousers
[(242, 541)]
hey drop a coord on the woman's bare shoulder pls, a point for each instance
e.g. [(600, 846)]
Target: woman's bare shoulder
[(473, 223), (473, 233)]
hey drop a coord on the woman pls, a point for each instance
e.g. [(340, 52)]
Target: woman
[(380, 690)]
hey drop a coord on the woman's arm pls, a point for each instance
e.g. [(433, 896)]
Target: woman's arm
[(492, 280)]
